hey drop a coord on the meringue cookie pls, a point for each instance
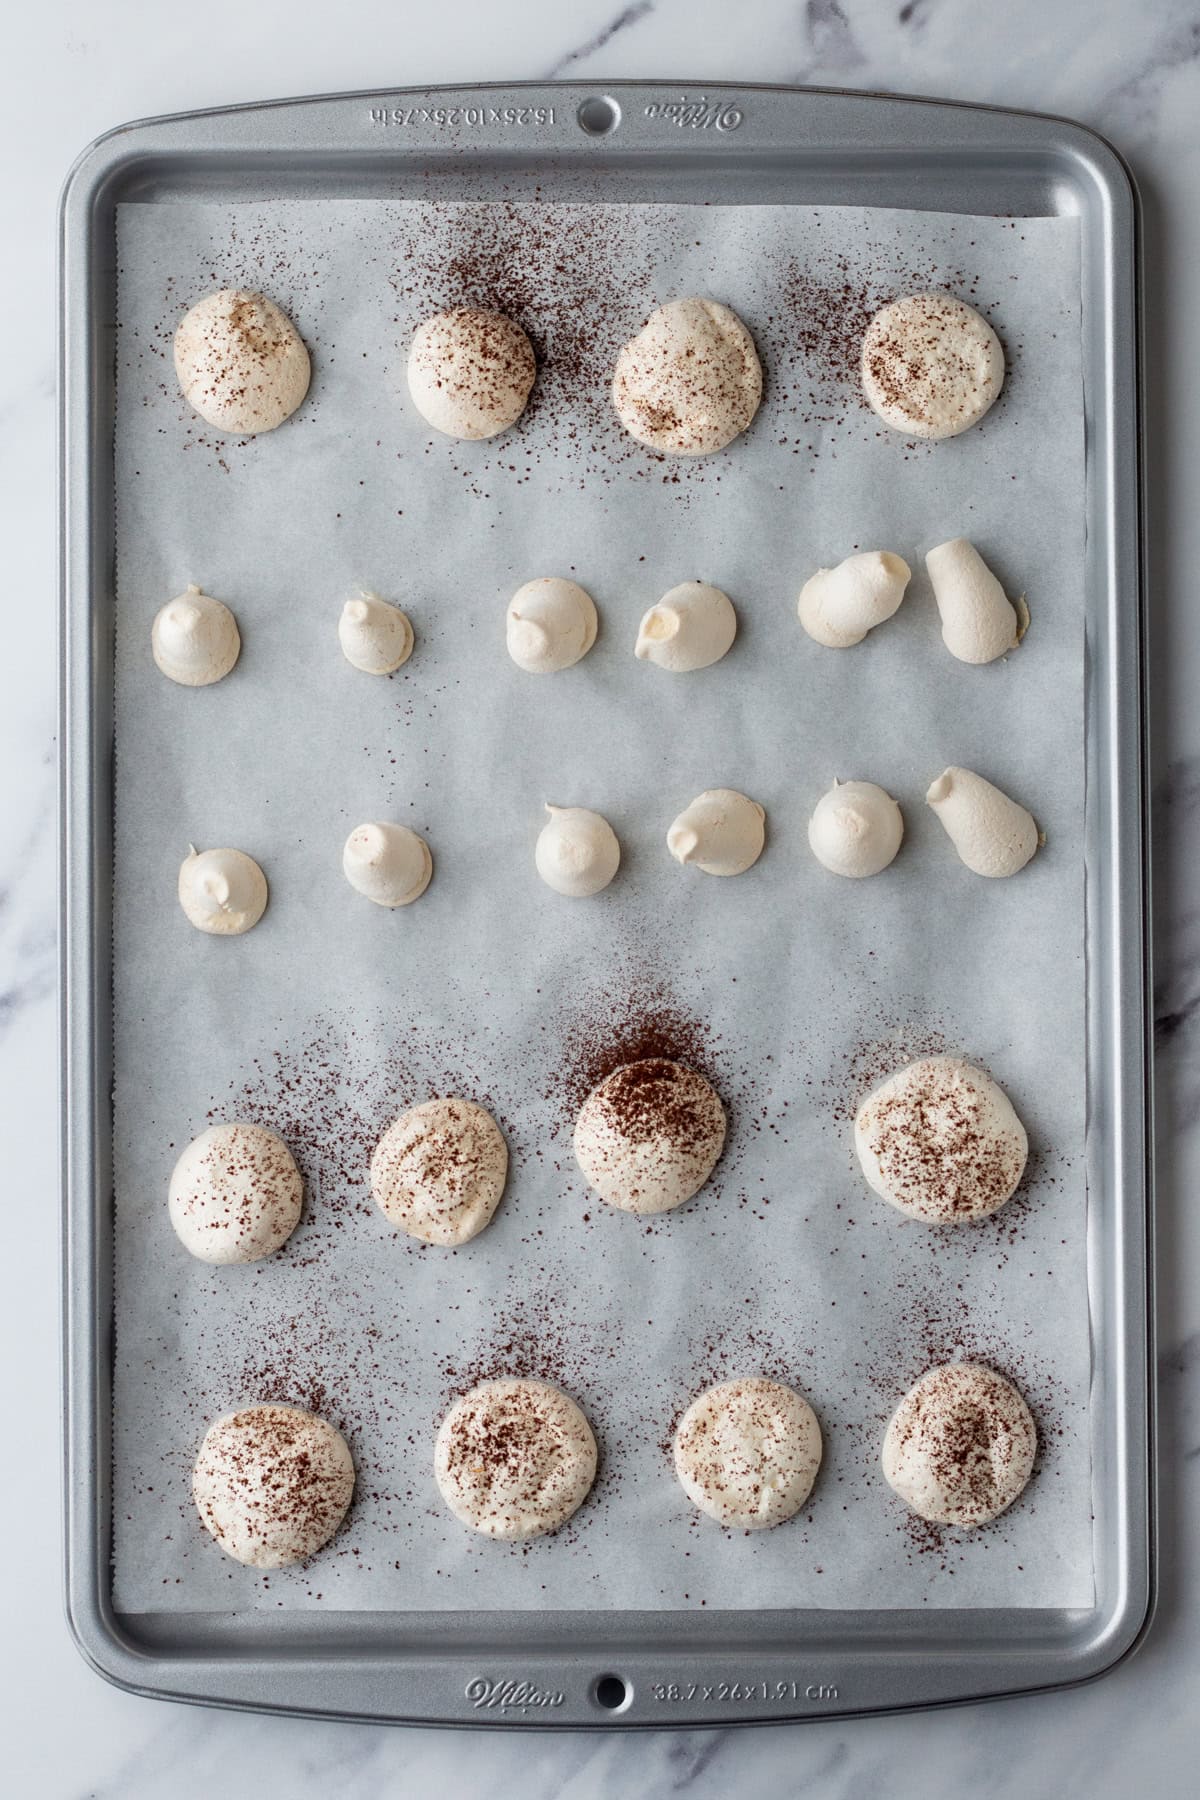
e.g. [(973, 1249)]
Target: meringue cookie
[(235, 1194), (747, 1452), (577, 852), (691, 627), (375, 636), (272, 1484), (856, 829), (241, 362), (514, 1459), (721, 832), (839, 606), (439, 1170), (470, 372), (979, 621), (389, 864), (195, 639), (690, 381), (649, 1136), (940, 1140), (931, 366), (550, 625), (223, 892), (993, 835), (961, 1445)]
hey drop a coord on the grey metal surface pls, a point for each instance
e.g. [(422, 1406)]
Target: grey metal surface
[(734, 144)]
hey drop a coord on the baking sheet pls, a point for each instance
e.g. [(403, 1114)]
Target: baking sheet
[(794, 990)]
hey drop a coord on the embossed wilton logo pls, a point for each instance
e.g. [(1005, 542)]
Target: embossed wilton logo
[(700, 114), (482, 1691)]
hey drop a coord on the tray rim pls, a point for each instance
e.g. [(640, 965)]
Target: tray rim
[(105, 1642)]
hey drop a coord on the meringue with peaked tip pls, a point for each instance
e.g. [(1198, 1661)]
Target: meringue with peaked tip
[(235, 1194), (747, 1452), (195, 639), (856, 829), (649, 1136), (839, 606), (272, 1484), (577, 852), (375, 636), (979, 621), (387, 863), (241, 362), (470, 372), (993, 835), (690, 381), (691, 627), (931, 365), (551, 624), (223, 892), (514, 1458), (941, 1141), (439, 1170), (961, 1445), (721, 832)]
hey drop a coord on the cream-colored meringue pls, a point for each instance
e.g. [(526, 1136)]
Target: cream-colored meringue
[(747, 1452), (692, 626), (993, 835), (721, 832), (839, 606), (690, 381), (470, 372), (439, 1170), (550, 625), (195, 639), (387, 863), (856, 829), (272, 1484), (223, 892), (375, 636), (941, 1141), (961, 1445), (514, 1458), (979, 621), (931, 365), (649, 1136), (577, 851), (241, 362), (235, 1194)]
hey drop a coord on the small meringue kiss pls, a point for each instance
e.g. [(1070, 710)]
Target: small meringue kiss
[(856, 829), (993, 835), (375, 636), (223, 892), (195, 639), (839, 606), (690, 628), (721, 832), (979, 621), (550, 625), (577, 851), (388, 864)]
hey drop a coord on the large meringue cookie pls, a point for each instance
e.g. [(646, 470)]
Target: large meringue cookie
[(690, 381), (470, 372), (241, 362)]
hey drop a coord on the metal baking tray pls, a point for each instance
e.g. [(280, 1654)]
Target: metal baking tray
[(623, 141)]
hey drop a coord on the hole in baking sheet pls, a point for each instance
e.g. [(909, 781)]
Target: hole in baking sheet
[(612, 1692), (598, 115)]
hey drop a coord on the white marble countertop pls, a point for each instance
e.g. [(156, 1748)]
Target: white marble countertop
[(72, 69)]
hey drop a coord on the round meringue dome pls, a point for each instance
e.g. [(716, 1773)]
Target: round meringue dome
[(747, 1452), (690, 381), (272, 1484), (195, 639), (940, 1141), (470, 372), (856, 829), (223, 892), (375, 636), (235, 1194), (551, 624), (649, 1136), (721, 832), (577, 852), (514, 1459), (692, 626), (931, 365), (241, 362), (439, 1170), (961, 1445), (386, 863)]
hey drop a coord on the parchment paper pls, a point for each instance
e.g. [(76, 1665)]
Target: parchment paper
[(794, 989)]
